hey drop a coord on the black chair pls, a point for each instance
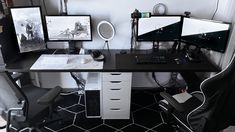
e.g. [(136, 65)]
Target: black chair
[(209, 110), (27, 107)]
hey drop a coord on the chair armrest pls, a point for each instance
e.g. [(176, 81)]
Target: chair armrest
[(173, 102), (50, 96), (16, 76)]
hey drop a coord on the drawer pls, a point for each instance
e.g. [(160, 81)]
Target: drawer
[(116, 93), (116, 100), (117, 76), (116, 110), (116, 85), (120, 103), (116, 114)]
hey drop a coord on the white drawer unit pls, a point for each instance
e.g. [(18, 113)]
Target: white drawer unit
[(116, 94)]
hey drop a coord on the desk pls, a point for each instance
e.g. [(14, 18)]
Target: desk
[(116, 62)]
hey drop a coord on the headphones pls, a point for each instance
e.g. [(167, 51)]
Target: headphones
[(97, 55)]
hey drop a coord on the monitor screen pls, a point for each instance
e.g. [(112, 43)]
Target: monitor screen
[(159, 28), (28, 28), (205, 33), (69, 28)]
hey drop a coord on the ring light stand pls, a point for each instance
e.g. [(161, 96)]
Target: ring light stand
[(106, 31)]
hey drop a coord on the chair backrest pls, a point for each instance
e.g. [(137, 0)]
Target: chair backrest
[(218, 108), (10, 94)]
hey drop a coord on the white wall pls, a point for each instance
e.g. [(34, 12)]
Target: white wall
[(118, 12)]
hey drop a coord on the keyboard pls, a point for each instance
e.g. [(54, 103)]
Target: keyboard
[(150, 59)]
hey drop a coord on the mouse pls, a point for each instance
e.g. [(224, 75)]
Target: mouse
[(177, 61), (123, 52)]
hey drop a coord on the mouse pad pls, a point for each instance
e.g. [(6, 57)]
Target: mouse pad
[(65, 62)]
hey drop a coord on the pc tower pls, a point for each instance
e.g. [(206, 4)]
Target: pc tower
[(93, 95)]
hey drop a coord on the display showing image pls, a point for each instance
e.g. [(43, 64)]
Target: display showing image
[(205, 33), (28, 27), (68, 27), (159, 28)]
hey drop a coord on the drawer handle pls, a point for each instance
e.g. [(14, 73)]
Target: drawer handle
[(115, 74), (116, 109), (116, 89), (115, 99), (115, 81)]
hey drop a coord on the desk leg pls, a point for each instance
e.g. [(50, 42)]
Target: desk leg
[(192, 80)]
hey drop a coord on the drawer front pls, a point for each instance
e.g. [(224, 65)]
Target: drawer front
[(117, 90), (116, 114), (116, 109), (117, 76)]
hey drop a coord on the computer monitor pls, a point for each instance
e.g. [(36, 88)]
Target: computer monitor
[(159, 28), (28, 28), (207, 34), (69, 28)]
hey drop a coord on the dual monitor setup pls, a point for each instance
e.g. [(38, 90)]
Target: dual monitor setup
[(30, 30), (212, 35)]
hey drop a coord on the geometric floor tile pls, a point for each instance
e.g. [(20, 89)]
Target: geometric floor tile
[(164, 128), (72, 129), (67, 119), (147, 118), (103, 128), (142, 98), (76, 108), (87, 123), (118, 123), (134, 128)]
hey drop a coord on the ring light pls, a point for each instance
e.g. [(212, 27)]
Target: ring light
[(106, 30)]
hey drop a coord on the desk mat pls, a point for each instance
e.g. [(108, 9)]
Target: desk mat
[(65, 62)]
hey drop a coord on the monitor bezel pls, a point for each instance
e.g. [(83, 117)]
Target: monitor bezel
[(180, 30), (204, 47), (47, 36), (43, 26)]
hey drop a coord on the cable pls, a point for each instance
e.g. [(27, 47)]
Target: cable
[(31, 2), (217, 6), (155, 79), (44, 5)]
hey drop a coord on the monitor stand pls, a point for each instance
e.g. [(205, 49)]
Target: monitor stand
[(156, 50), (155, 47), (193, 55), (175, 47), (72, 48)]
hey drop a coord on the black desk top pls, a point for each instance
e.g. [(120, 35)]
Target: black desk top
[(116, 62)]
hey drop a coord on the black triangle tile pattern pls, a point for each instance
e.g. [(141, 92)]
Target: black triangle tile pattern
[(145, 116)]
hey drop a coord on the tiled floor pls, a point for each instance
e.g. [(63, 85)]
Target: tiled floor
[(145, 116)]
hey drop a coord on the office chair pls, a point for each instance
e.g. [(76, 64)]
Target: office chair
[(209, 110), (27, 107)]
